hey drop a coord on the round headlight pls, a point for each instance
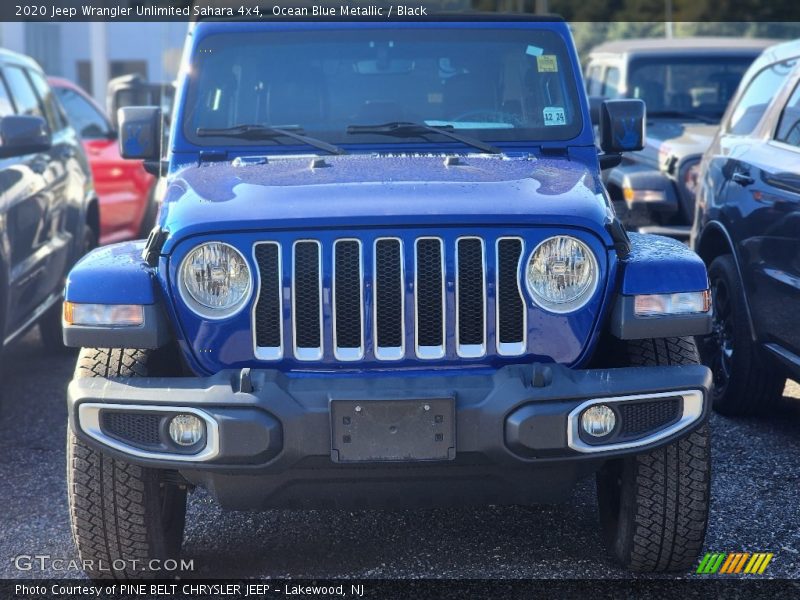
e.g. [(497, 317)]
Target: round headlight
[(562, 274), (215, 280)]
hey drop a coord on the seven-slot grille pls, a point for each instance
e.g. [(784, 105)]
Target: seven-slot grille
[(378, 290)]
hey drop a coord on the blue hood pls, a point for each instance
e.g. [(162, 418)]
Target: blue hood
[(282, 193)]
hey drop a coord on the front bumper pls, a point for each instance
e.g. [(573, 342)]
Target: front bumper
[(270, 437)]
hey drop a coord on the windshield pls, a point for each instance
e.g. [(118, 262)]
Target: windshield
[(696, 85), (492, 84)]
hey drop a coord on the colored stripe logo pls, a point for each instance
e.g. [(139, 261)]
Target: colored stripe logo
[(732, 563)]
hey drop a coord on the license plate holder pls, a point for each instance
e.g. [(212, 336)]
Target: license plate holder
[(392, 430)]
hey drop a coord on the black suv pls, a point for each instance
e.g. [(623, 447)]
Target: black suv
[(48, 210), (686, 84), (748, 231)]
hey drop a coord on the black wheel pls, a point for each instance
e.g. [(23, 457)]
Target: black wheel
[(122, 515), (745, 382), (50, 329), (654, 506)]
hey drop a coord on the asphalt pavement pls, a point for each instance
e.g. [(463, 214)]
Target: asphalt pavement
[(756, 482)]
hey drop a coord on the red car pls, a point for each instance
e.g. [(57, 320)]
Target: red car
[(125, 190)]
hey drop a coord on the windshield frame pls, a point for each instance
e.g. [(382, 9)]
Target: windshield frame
[(185, 138)]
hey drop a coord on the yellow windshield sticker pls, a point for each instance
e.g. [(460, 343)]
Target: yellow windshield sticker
[(546, 63)]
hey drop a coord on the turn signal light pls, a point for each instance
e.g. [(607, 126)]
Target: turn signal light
[(682, 303), (104, 315)]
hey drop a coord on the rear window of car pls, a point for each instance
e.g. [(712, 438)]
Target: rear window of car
[(697, 85)]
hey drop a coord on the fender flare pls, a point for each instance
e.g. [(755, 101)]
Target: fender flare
[(117, 274)]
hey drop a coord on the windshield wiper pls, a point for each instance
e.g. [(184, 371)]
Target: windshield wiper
[(264, 132), (406, 129), (684, 114)]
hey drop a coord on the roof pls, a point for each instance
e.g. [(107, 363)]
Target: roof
[(21, 59), (734, 45), (778, 53)]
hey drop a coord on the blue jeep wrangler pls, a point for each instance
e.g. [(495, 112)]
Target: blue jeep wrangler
[(386, 273)]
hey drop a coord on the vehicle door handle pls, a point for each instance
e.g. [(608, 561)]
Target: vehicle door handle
[(742, 178)]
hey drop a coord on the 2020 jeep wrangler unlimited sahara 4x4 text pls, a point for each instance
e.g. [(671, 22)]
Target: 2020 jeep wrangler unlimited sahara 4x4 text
[(386, 273)]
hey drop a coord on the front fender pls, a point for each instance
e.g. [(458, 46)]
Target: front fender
[(110, 275), (661, 265), (658, 265)]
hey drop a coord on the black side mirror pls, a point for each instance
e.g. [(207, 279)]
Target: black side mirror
[(140, 132), (20, 134), (622, 125)]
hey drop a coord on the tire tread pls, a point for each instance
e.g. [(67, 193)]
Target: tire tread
[(661, 505), (114, 512)]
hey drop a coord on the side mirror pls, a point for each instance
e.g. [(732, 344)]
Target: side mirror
[(21, 135), (622, 125), (140, 132)]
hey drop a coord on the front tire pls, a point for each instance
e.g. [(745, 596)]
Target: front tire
[(654, 506), (122, 515)]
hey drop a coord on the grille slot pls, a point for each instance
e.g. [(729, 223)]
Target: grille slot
[(470, 298), (389, 300), (347, 300), (640, 418), (510, 306), (138, 429), (429, 298), (307, 299), (268, 323)]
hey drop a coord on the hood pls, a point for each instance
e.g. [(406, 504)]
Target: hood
[(679, 139), (254, 193)]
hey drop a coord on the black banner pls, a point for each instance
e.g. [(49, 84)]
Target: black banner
[(617, 589), (777, 12)]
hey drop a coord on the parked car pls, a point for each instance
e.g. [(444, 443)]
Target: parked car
[(128, 205), (48, 210), (386, 273), (686, 84), (748, 232)]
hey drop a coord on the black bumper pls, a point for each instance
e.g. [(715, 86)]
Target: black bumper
[(271, 439)]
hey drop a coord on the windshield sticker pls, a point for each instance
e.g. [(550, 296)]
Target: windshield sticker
[(554, 115), (546, 63), (534, 51)]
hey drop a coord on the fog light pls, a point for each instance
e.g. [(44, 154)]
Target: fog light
[(186, 430), (598, 420)]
